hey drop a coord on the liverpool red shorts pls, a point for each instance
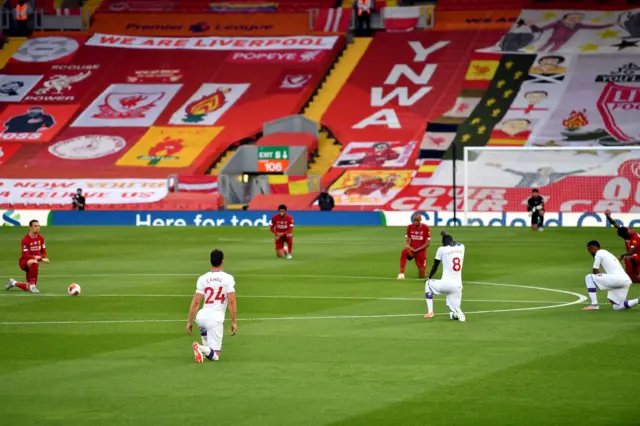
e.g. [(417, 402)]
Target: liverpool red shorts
[(421, 260), (280, 242), (634, 273)]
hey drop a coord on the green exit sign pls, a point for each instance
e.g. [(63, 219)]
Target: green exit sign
[(273, 159), (273, 153)]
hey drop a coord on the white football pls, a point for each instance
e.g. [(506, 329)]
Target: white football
[(74, 290)]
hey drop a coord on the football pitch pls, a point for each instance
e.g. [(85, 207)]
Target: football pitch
[(329, 337)]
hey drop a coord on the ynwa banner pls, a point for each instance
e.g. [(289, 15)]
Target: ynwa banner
[(403, 81), (208, 104), (571, 31), (128, 105), (96, 191), (375, 155), (377, 187), (169, 147), (214, 43), (34, 123), (13, 88), (601, 104), (64, 83)]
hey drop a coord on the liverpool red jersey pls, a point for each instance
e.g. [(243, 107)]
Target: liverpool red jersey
[(32, 247), (418, 236), (282, 225), (633, 242)]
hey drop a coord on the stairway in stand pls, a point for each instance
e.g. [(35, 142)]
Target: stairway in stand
[(91, 5), (9, 49), (226, 156), (328, 148)]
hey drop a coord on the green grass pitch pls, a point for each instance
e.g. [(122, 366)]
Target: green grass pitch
[(327, 338)]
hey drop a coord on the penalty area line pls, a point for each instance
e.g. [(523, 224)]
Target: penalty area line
[(283, 296), (332, 317)]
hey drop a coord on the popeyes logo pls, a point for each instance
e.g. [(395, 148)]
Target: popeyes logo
[(310, 56)]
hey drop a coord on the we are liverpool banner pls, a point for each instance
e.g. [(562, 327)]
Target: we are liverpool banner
[(214, 43), (403, 81)]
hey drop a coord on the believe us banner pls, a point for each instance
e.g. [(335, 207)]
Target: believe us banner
[(96, 191)]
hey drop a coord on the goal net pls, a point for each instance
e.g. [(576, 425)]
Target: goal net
[(571, 179)]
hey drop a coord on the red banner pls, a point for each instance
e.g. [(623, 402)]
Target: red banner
[(576, 194), (77, 93), (34, 123), (7, 150), (64, 83), (377, 155), (402, 82)]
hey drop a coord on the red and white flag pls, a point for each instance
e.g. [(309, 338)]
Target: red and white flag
[(335, 20), (400, 19), (204, 184)]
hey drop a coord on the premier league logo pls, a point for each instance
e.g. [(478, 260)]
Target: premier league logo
[(200, 27)]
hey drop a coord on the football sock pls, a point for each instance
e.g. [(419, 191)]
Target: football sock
[(206, 350), (211, 354), (290, 245), (628, 304), (33, 274), (403, 261), (591, 288), (429, 297), (22, 286), (203, 335)]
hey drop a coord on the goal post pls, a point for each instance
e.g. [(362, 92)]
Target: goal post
[(571, 179)]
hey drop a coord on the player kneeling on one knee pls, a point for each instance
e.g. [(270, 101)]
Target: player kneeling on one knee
[(451, 254), (217, 288), (614, 281), (416, 241)]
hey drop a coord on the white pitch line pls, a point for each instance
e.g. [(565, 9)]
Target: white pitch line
[(331, 317), (580, 299), (395, 299)]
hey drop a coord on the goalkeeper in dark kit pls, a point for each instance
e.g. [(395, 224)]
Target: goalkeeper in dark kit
[(535, 205)]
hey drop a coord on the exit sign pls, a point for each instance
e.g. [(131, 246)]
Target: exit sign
[(273, 159)]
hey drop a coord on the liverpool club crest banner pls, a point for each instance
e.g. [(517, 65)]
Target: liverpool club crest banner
[(601, 104), (128, 105)]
